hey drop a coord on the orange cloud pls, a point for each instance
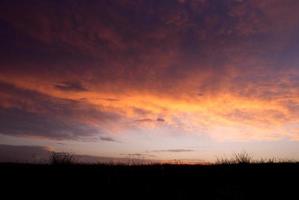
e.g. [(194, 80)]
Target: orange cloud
[(226, 69), (222, 114)]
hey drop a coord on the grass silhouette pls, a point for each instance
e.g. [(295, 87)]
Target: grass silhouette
[(240, 177), (239, 158)]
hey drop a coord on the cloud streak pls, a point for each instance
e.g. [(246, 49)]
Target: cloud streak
[(108, 139), (70, 86), (173, 151)]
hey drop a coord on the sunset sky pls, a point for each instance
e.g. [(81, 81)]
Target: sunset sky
[(162, 80)]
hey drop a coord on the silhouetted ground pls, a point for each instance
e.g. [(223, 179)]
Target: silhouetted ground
[(239, 181)]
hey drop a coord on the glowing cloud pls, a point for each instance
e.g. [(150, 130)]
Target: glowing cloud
[(76, 70)]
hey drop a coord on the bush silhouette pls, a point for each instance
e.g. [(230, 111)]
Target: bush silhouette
[(61, 158)]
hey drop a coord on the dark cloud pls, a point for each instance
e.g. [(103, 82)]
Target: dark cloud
[(140, 42), (152, 45), (17, 122), (145, 120), (110, 99), (70, 86), (150, 120), (35, 101), (108, 139), (24, 154), (29, 113), (160, 120), (173, 151)]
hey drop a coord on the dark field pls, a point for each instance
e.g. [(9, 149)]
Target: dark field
[(234, 181)]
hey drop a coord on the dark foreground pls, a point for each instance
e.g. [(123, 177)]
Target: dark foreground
[(250, 181)]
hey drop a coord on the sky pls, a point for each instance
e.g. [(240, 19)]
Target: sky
[(163, 80)]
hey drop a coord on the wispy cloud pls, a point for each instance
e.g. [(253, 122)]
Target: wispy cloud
[(70, 86), (150, 120), (138, 155), (145, 120), (108, 139), (172, 150), (109, 99)]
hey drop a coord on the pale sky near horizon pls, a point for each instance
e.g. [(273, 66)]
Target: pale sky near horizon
[(171, 79)]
